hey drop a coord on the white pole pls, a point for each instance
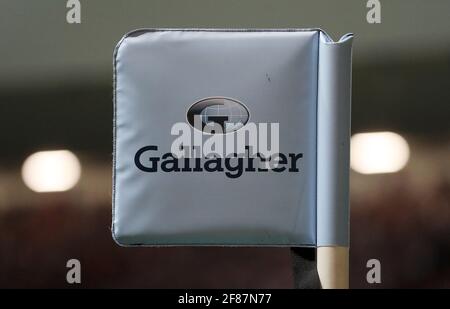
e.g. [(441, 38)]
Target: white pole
[(333, 267)]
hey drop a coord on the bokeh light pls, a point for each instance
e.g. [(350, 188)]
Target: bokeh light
[(51, 171), (378, 152)]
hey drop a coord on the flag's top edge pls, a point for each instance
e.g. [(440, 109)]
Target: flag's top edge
[(326, 37)]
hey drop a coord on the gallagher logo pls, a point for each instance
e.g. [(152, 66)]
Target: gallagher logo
[(228, 114), (218, 137)]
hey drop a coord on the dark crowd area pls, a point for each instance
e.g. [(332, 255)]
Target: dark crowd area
[(407, 232)]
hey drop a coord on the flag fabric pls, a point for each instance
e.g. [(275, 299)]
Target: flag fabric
[(231, 137)]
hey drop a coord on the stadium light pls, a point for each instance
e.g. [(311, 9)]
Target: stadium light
[(51, 171), (378, 152)]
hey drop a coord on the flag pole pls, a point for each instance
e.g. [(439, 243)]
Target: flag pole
[(304, 264), (333, 267)]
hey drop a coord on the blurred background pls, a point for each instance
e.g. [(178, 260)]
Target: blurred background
[(56, 94)]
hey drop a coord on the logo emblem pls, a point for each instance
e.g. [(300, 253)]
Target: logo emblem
[(218, 115)]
